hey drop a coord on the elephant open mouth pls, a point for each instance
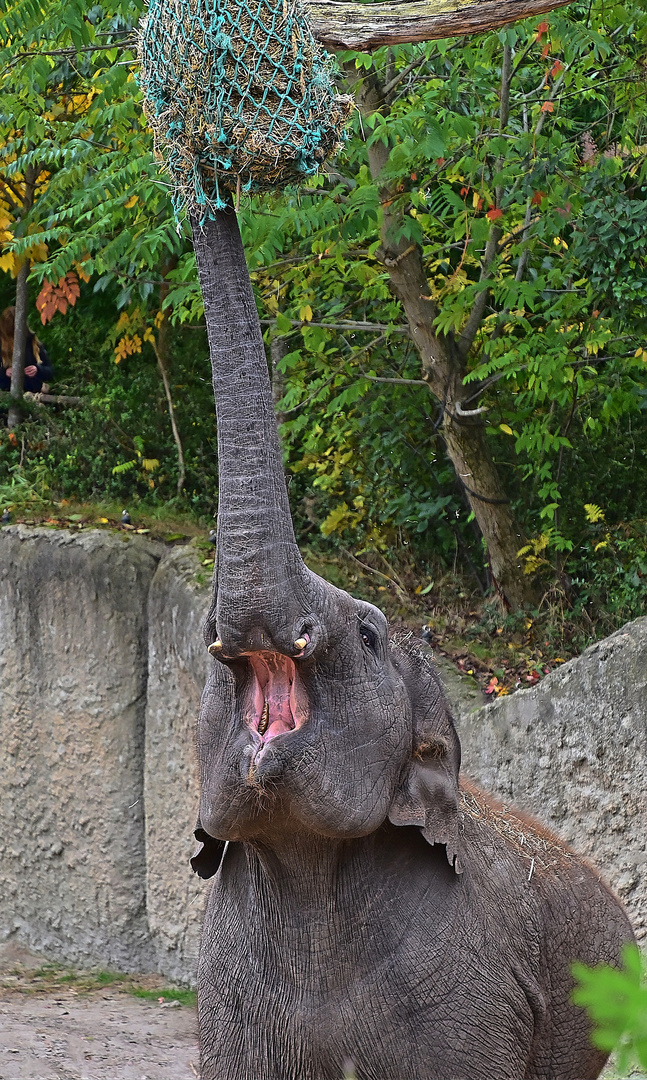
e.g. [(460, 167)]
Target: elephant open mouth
[(278, 701)]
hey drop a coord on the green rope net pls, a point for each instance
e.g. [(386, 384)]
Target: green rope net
[(239, 97)]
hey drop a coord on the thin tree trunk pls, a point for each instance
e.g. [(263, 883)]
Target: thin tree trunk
[(19, 346), (278, 349), (171, 411), (20, 327), (443, 369), (161, 354)]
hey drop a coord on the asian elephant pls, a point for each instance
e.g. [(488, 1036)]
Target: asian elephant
[(369, 905)]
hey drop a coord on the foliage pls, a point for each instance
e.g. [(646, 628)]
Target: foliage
[(559, 357), (617, 1003)]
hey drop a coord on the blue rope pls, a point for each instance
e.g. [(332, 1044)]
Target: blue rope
[(239, 96)]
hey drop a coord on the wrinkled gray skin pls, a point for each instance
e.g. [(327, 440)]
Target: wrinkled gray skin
[(365, 910)]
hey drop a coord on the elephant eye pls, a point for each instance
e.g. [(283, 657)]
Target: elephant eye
[(368, 637)]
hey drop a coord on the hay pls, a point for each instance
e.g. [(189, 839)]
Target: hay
[(239, 97)]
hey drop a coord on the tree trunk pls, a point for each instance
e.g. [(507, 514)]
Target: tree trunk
[(260, 577), (443, 368), (19, 346), (20, 326), (468, 450)]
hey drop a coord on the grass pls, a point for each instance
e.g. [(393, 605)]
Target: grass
[(52, 977)]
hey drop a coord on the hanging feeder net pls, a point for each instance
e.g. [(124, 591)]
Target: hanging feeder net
[(239, 96)]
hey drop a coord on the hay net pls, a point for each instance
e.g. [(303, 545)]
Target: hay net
[(239, 96)]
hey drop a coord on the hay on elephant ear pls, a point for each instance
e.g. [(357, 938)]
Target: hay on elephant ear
[(239, 97)]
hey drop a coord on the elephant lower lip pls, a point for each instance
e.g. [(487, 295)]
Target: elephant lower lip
[(277, 702)]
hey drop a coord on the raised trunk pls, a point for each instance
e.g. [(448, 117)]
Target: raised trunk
[(261, 583)]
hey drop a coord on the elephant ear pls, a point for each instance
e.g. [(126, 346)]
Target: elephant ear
[(208, 856), (427, 795)]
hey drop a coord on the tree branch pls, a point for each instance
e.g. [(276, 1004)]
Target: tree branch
[(341, 25), (365, 326)]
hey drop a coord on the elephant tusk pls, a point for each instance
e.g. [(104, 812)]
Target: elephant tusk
[(301, 643), (263, 722), (215, 647)]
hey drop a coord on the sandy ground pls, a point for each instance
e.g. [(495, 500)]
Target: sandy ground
[(87, 1032)]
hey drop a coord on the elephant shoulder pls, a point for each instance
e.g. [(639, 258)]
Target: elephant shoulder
[(501, 841), (527, 843)]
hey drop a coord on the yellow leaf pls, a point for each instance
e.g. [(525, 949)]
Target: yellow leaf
[(103, 521), (149, 335), (150, 464), (305, 313), (159, 319), (508, 430), (81, 271), (593, 513), (131, 202), (8, 262)]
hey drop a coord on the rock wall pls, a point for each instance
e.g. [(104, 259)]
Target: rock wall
[(573, 751), (101, 670)]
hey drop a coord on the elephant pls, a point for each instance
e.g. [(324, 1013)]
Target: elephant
[(372, 913)]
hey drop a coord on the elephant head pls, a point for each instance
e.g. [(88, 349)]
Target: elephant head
[(311, 718)]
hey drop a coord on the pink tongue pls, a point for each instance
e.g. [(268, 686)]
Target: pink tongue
[(274, 686)]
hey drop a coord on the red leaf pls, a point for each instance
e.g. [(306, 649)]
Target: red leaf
[(537, 197), (542, 28), (59, 297), (494, 214), (545, 51), (556, 68), (465, 191), (548, 107)]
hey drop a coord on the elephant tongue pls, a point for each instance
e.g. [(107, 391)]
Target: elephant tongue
[(279, 701)]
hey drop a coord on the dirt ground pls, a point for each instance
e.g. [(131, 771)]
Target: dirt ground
[(57, 1024)]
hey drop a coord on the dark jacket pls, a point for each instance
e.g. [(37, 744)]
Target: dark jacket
[(45, 373)]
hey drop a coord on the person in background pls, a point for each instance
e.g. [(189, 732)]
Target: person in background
[(38, 366)]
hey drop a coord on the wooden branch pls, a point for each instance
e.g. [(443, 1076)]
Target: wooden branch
[(54, 399), (340, 25)]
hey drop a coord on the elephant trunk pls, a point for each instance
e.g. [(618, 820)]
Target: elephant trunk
[(261, 582)]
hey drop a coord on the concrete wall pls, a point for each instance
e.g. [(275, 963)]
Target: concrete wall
[(101, 670), (178, 665), (73, 674)]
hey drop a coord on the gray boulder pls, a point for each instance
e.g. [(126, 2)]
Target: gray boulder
[(573, 751)]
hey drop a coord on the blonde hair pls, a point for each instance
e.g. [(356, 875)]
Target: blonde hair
[(7, 325), (7, 328)]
